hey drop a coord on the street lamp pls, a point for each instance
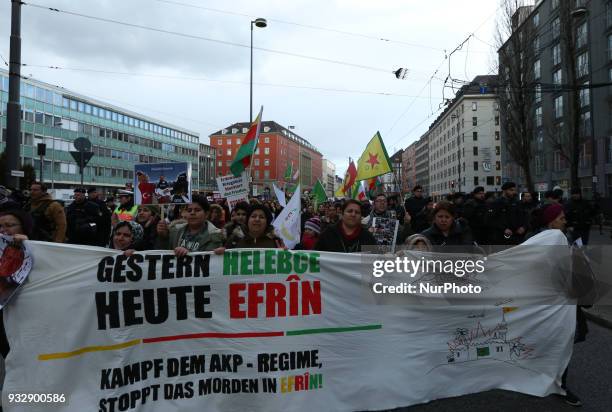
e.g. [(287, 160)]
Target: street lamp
[(261, 23)]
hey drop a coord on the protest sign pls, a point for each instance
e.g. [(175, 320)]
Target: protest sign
[(162, 183), (234, 189), (15, 265), (266, 330), (280, 196), (385, 231)]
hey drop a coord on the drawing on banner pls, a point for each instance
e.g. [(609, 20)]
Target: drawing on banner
[(493, 343), (162, 183), (15, 265)]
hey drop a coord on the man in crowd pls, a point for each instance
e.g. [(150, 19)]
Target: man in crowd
[(381, 210), (126, 211), (509, 223), (476, 212), (579, 213), (416, 203), (47, 214), (83, 217), (104, 225)]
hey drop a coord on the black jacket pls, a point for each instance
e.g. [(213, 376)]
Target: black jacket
[(507, 214), (332, 240), (83, 223), (458, 236), (476, 212), (579, 214)]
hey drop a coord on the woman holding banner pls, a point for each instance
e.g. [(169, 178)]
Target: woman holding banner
[(197, 235), (126, 236), (445, 230), (348, 235), (258, 232)]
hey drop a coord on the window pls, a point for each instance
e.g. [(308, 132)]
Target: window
[(558, 77), (490, 180), (610, 47), (256, 162), (536, 46), (229, 152), (585, 124), (582, 65), (475, 166), (266, 140), (266, 174), (496, 120), (474, 106), (39, 117), (558, 107), (585, 95), (266, 150), (475, 136), (555, 27), (554, 4), (609, 13), (497, 135), (476, 181), (220, 163), (474, 121), (497, 150), (29, 116), (238, 140), (497, 165), (556, 54), (538, 93), (475, 150), (536, 70), (536, 19), (266, 162), (538, 116), (581, 35)]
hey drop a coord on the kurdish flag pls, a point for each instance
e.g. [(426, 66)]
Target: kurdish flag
[(373, 186), (318, 193), (247, 148), (374, 161)]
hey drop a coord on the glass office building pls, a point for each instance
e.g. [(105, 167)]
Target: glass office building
[(120, 138)]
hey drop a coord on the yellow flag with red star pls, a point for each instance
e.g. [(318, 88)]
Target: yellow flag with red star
[(374, 161)]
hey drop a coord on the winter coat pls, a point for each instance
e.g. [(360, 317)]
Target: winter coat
[(458, 235), (333, 239), (83, 224), (49, 219), (209, 238), (149, 236), (241, 239)]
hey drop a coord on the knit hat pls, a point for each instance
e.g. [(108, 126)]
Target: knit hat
[(313, 224), (551, 212)]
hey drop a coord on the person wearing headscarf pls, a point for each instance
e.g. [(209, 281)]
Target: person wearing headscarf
[(126, 236)]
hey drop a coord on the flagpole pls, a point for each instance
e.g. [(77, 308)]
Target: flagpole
[(254, 149)]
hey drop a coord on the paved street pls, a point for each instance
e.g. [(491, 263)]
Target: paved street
[(590, 378)]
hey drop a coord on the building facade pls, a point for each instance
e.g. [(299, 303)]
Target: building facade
[(120, 138), (590, 25), (329, 177), (409, 168), (421, 162), (277, 148), (465, 143), (208, 165)]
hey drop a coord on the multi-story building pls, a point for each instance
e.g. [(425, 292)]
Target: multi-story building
[(208, 164), (120, 138), (409, 168), (464, 141), (421, 162), (278, 147), (589, 25), (329, 173), (397, 168), (337, 183)]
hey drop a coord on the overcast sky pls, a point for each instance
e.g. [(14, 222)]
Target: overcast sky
[(338, 123)]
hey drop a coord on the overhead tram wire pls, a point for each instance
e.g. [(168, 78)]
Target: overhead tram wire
[(208, 39), (161, 76), (309, 26), (432, 77)]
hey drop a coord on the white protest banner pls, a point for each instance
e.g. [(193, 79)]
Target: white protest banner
[(260, 330), (234, 189), (280, 195), (287, 224)]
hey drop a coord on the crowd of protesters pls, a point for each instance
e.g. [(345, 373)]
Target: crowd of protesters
[(343, 226)]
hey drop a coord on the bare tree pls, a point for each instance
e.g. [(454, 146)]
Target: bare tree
[(514, 37)]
